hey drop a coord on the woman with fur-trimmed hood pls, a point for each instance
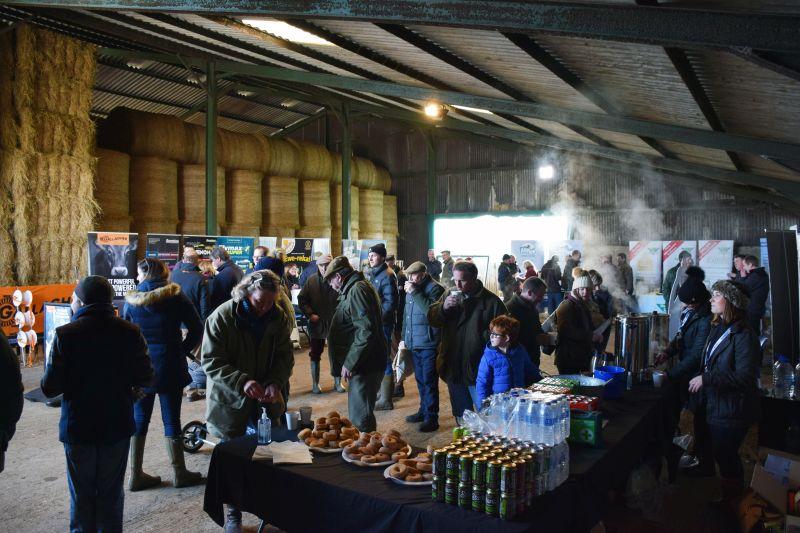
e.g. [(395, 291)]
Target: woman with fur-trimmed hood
[(159, 308)]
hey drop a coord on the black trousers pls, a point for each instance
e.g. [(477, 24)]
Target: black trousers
[(718, 444)]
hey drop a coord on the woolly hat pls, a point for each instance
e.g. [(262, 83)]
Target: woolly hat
[(94, 290), (736, 293), (582, 279), (334, 267), (415, 267), (693, 290), (379, 249), (506, 257), (596, 278)]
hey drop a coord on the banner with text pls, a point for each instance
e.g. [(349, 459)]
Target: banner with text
[(715, 258), (532, 251), (113, 256), (645, 260), (61, 293), (671, 250), (239, 248), (164, 247)]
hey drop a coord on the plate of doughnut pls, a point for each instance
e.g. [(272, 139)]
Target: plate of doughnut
[(331, 434), (377, 449), (416, 472)]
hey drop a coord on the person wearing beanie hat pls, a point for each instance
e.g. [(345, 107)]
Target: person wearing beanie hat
[(98, 362), (601, 298), (356, 341), (384, 280), (575, 326), (317, 300), (725, 388)]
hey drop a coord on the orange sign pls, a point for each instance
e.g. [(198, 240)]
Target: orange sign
[(41, 294), (113, 239)]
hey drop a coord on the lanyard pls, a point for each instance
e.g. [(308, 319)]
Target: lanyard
[(719, 341), (687, 313)]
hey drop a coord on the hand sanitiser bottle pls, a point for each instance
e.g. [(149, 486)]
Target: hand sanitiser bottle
[(264, 428)]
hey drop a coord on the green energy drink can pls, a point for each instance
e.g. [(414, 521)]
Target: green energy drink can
[(478, 498), (493, 470), (492, 507), (451, 464), (522, 483), (440, 463), (508, 506), (458, 433), (465, 468), (465, 495), (437, 489), (479, 465), (508, 478), (451, 491)]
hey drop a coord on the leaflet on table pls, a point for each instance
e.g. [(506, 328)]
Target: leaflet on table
[(715, 258), (645, 260), (672, 249), (239, 248), (113, 256), (166, 247), (562, 249), (532, 251)]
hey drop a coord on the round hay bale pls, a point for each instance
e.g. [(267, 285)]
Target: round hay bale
[(315, 203), (336, 206), (192, 194), (197, 228), (243, 151), (370, 235), (143, 134), (285, 158), (280, 232), (243, 198), (316, 161), (154, 189), (370, 212), (196, 144), (111, 185), (336, 168), (105, 223), (384, 180), (241, 230), (390, 214), (145, 226), (366, 176), (391, 244), (317, 232), (280, 200)]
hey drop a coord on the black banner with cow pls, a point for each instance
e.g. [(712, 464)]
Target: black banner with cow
[(113, 256)]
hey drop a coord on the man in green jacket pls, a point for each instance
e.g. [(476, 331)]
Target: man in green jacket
[(684, 261), (356, 340), (463, 315)]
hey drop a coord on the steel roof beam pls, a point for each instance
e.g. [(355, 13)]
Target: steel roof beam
[(666, 26), (299, 124)]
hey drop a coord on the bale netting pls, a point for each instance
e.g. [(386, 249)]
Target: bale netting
[(243, 197), (243, 151), (145, 226), (143, 134), (315, 203), (284, 158), (336, 206), (316, 162), (318, 232), (192, 194), (281, 232), (242, 230), (366, 175), (154, 189), (390, 214), (384, 180), (370, 212), (280, 200), (111, 184)]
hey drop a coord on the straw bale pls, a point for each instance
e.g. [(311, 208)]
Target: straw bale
[(243, 151), (280, 232), (390, 214), (197, 228), (366, 176), (105, 223), (285, 158), (65, 57), (315, 203), (192, 194), (111, 186), (196, 144), (7, 249), (143, 134), (391, 244), (384, 180), (16, 88), (280, 195), (316, 162), (370, 212), (336, 206), (66, 134), (243, 197), (318, 232), (242, 230), (154, 189)]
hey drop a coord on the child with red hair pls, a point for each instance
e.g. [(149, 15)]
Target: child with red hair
[(505, 363)]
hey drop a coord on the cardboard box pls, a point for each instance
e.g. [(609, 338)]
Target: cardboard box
[(586, 427), (780, 473)]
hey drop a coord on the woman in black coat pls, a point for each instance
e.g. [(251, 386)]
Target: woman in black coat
[(726, 387), (159, 309)]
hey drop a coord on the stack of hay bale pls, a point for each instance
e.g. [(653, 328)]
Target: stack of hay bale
[(281, 191), (315, 190), (46, 160), (390, 229)]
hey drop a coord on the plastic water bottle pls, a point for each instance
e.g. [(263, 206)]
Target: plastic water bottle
[(782, 377), (532, 419), (519, 419), (548, 423), (264, 428)]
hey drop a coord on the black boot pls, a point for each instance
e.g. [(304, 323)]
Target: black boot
[(416, 417), (431, 424)]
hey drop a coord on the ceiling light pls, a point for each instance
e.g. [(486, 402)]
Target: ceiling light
[(473, 109), (286, 31), (546, 172), (139, 64), (197, 79), (246, 94), (435, 110), (289, 102)]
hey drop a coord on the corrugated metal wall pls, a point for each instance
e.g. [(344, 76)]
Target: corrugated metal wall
[(608, 203)]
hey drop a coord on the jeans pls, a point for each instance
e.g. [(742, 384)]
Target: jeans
[(427, 382), (463, 397), (198, 376), (719, 444), (95, 473), (315, 349), (552, 301), (170, 412), (388, 330)]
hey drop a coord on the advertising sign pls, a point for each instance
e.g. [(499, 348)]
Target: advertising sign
[(164, 247), (532, 251), (297, 250), (61, 293), (671, 250), (645, 260), (562, 249), (715, 258), (201, 243), (239, 248), (113, 256), (55, 315)]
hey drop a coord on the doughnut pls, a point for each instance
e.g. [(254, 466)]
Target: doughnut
[(366, 458), (398, 471), (350, 433), (351, 449), (389, 440), (320, 427), (425, 467), (382, 457), (317, 443), (384, 449), (412, 470), (334, 421), (422, 459), (321, 421), (374, 440), (346, 423), (333, 444), (307, 440), (365, 450), (330, 435), (396, 456), (427, 477), (317, 434), (393, 433), (333, 414), (346, 443), (374, 448), (408, 462), (304, 434), (414, 478)]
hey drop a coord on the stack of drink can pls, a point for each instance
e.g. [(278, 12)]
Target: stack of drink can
[(493, 475)]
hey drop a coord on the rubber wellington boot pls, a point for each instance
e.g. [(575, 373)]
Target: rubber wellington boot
[(315, 378), (337, 385), (139, 480), (384, 402), (399, 391), (183, 477)]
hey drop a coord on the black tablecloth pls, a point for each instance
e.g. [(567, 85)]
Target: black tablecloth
[(331, 495)]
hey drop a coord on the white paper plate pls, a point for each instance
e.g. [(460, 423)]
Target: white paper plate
[(325, 450), (403, 482), (390, 462)]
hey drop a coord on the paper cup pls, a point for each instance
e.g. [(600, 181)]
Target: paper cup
[(292, 419), (305, 414), (658, 378)]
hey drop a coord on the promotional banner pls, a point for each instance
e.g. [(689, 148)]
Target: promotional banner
[(562, 249), (297, 250), (164, 247), (269, 242), (113, 256), (764, 256), (715, 258), (670, 250), (201, 243), (532, 251), (645, 260), (321, 247), (239, 248), (41, 293), (55, 315), (351, 249)]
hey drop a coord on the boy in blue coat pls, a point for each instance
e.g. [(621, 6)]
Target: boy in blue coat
[(505, 363)]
